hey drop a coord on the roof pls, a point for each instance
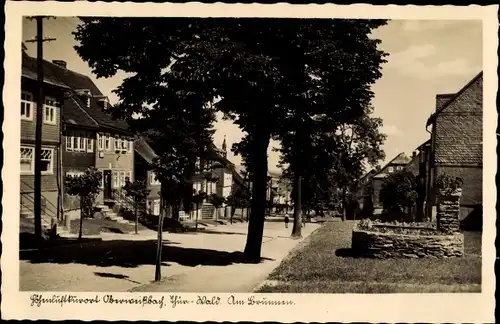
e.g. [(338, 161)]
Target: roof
[(401, 158), (74, 114), (432, 118), (29, 70), (144, 150), (76, 81)]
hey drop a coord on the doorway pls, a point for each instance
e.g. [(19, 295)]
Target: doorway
[(107, 185)]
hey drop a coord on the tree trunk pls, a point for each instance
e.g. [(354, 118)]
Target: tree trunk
[(197, 213), (256, 221), (297, 208), (80, 231), (344, 205), (136, 219), (233, 210)]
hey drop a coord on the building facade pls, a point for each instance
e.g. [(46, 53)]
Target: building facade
[(54, 94), (456, 146)]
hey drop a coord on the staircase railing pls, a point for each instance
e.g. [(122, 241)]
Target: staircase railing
[(48, 212)]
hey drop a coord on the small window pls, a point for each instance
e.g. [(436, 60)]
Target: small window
[(390, 169), (153, 179), (116, 179), (90, 143), (107, 140), (69, 142), (27, 105), (100, 139), (82, 141), (50, 111), (122, 178), (46, 161), (27, 159), (124, 144), (117, 143), (399, 168), (129, 146)]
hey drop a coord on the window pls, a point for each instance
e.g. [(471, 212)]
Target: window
[(117, 143), (50, 109), (124, 143), (69, 142), (100, 141), (106, 142), (122, 178), (116, 179), (27, 105), (129, 175), (82, 141), (390, 169), (90, 143), (129, 146), (46, 161), (399, 168), (27, 159), (153, 179)]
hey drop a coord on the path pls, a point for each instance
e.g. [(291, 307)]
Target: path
[(192, 262)]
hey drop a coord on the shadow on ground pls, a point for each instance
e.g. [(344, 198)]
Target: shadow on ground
[(130, 254), (115, 276)]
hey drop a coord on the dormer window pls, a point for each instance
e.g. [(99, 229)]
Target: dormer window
[(103, 102), (85, 95), (390, 169)]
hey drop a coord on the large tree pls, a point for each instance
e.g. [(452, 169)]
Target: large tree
[(260, 69)]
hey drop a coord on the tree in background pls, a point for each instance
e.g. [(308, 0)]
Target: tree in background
[(218, 201), (399, 195), (138, 191), (86, 186), (198, 198), (260, 69)]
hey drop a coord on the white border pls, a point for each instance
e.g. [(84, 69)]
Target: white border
[(319, 307)]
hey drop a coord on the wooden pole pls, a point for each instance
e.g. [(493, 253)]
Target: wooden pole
[(38, 130)]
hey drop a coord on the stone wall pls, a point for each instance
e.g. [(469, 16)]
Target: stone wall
[(389, 245), (448, 211)]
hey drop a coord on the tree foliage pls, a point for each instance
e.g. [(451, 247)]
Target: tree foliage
[(399, 193), (139, 192), (87, 186), (260, 69)]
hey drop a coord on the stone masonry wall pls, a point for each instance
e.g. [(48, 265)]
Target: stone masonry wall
[(448, 212), (389, 245)]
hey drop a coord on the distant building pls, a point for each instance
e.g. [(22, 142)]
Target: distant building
[(378, 177), (456, 146)]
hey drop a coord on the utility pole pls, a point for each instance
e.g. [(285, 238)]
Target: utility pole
[(39, 122)]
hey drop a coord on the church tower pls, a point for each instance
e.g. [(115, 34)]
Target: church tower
[(224, 147)]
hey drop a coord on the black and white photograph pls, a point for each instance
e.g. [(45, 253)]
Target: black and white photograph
[(207, 162)]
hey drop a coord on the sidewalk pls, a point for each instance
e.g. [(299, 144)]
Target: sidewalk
[(203, 261), (235, 277)]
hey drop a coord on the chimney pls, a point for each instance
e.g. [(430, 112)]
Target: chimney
[(61, 63)]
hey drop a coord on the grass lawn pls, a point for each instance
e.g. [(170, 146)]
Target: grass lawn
[(323, 265)]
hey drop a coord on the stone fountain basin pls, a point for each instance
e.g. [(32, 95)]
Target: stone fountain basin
[(373, 244)]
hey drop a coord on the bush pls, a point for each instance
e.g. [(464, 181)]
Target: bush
[(399, 194), (448, 184)]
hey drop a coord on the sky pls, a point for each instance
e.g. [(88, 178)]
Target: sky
[(425, 58)]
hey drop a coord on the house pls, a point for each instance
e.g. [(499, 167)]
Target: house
[(377, 179), (54, 93), (418, 166), (90, 135), (144, 155), (456, 146)]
